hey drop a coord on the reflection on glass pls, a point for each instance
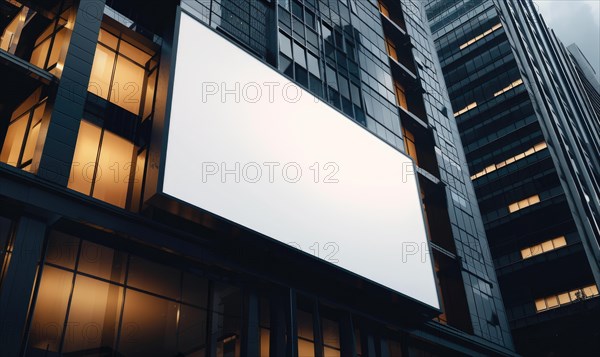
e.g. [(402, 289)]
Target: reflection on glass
[(93, 316), (153, 277), (149, 326), (50, 309)]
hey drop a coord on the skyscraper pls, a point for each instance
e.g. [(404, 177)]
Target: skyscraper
[(588, 77), (235, 178), (531, 143)]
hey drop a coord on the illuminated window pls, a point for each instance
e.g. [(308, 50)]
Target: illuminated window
[(409, 145), (265, 328), (391, 49), (12, 32), (514, 84), (384, 10), (466, 109), (306, 337), (400, 95), (331, 337), (118, 72), (544, 247), (514, 207), (23, 131), (102, 165), (479, 37), (83, 284), (51, 47), (566, 298), (6, 246), (538, 147)]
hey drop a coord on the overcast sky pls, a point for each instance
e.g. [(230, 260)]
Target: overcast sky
[(575, 21)]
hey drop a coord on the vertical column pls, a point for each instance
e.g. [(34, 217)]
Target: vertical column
[(18, 284), (60, 132)]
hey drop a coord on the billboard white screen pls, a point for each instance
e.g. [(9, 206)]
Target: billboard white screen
[(248, 145)]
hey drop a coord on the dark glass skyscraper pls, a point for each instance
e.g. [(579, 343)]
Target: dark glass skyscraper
[(104, 249), (531, 142)]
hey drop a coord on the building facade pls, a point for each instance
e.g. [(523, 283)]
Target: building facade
[(531, 142), (98, 259), (587, 75)]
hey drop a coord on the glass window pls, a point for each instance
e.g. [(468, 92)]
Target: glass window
[(401, 95), (410, 146), (62, 250), (93, 316), (108, 39), (310, 19), (149, 323), (226, 319), (6, 246), (192, 331), (331, 78), (391, 49), (102, 262), (102, 163), (305, 325), (153, 277), (50, 309), (34, 132), (113, 169), (128, 80), (84, 159), (540, 304), (299, 55), (286, 66), (297, 9), (265, 327), (15, 135), (313, 65), (306, 348), (331, 333), (149, 326), (102, 69), (119, 77), (23, 131), (134, 53)]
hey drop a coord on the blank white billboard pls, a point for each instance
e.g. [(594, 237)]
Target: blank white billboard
[(248, 145)]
